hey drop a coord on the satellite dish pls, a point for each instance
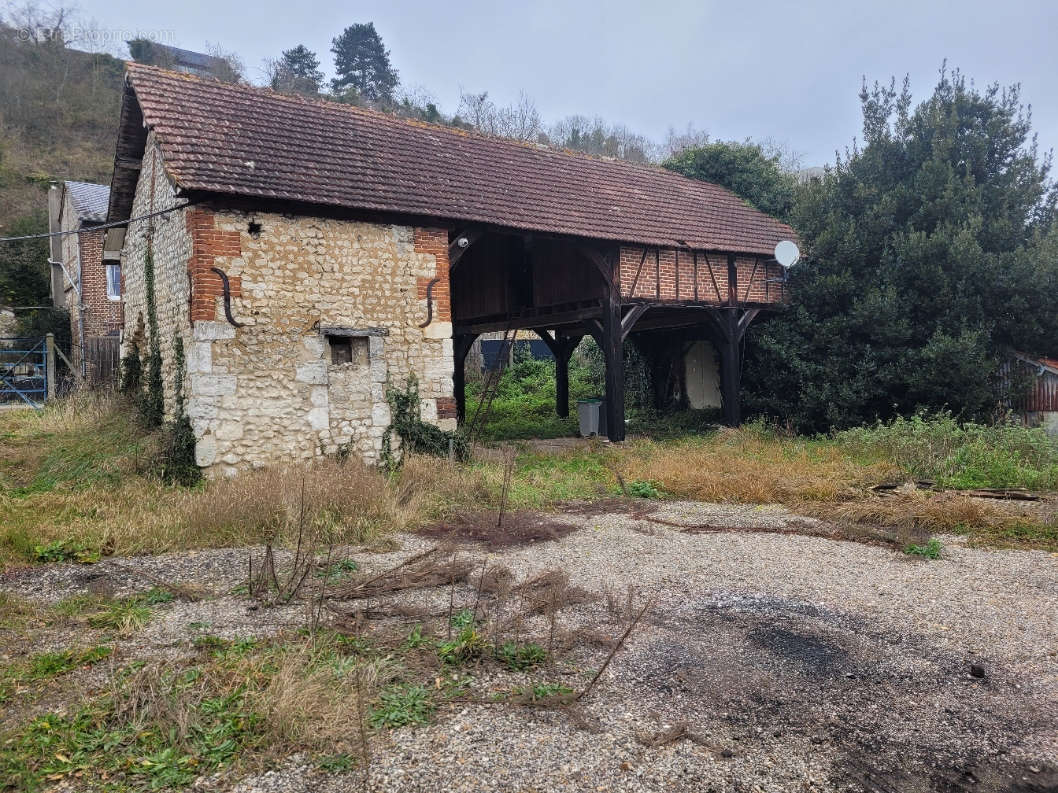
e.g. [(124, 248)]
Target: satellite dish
[(787, 254)]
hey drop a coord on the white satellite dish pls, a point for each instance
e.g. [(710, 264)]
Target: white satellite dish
[(787, 254)]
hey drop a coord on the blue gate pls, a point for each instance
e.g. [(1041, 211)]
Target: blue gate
[(24, 371)]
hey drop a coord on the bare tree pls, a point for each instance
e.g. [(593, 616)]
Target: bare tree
[(520, 121), (38, 25), (227, 66), (675, 142)]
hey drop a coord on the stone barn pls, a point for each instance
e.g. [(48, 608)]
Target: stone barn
[(287, 258)]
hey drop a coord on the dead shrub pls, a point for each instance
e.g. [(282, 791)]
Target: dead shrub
[(434, 488), (329, 501), (313, 701)]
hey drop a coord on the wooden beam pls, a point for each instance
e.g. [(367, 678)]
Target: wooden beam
[(461, 344), (601, 261), (533, 319), (629, 320), (562, 348), (456, 251), (613, 353)]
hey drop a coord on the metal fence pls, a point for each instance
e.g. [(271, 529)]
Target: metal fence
[(24, 370)]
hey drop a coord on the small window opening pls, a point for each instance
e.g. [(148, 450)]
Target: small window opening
[(348, 350), (114, 282), (254, 228)]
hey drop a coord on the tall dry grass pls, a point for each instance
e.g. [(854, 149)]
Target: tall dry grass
[(750, 465)]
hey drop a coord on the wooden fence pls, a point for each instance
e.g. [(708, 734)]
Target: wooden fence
[(102, 360)]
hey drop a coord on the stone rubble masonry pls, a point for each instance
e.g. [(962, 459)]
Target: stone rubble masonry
[(657, 277), (267, 393)]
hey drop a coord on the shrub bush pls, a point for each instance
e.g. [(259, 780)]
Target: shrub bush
[(937, 447)]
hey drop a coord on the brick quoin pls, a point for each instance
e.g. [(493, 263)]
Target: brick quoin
[(207, 243), (446, 407), (435, 243)]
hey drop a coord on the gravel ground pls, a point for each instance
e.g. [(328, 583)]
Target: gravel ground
[(792, 663)]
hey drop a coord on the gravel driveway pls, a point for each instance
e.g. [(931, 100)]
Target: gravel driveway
[(782, 662)]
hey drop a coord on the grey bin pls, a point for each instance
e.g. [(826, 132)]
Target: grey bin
[(592, 416)]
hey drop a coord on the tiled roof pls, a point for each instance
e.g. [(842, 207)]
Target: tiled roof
[(89, 201), (252, 142)]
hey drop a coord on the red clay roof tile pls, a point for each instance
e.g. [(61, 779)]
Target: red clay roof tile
[(253, 142)]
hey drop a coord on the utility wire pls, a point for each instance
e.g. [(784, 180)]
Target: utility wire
[(100, 227)]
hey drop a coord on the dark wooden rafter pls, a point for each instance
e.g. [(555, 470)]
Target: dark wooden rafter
[(456, 251)]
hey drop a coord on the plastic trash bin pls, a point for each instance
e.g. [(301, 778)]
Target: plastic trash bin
[(592, 416)]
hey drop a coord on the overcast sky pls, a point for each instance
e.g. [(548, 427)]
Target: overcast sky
[(789, 71)]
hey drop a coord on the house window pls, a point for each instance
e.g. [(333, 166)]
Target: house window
[(348, 349), (113, 281)]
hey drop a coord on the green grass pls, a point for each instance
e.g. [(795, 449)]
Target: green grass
[(399, 706), (961, 455), (519, 657), (337, 571), (96, 741), (60, 662)]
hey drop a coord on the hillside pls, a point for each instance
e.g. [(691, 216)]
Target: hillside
[(58, 120)]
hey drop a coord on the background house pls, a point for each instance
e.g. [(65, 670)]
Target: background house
[(1037, 379), (86, 278)]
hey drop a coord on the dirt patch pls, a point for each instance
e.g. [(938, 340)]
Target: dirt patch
[(517, 528)]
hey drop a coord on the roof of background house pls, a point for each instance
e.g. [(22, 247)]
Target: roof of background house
[(252, 142), (186, 58), (89, 200)]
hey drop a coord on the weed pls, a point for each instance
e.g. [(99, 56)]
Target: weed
[(402, 705), (210, 643), (124, 616), (59, 662), (415, 639), (337, 571), (76, 604), (520, 657), (931, 550), (463, 618), (640, 488), (467, 646), (66, 551), (961, 455), (336, 763), (541, 691)]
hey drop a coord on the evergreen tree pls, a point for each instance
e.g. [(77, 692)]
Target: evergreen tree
[(297, 72), (929, 254), (745, 169), (362, 64)]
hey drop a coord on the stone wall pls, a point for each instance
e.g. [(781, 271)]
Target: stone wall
[(169, 243), (270, 392)]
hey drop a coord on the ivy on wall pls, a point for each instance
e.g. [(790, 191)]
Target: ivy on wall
[(416, 435), (176, 463)]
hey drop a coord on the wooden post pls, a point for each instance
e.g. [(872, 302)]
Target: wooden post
[(49, 354), (730, 367), (461, 344), (562, 383), (562, 348), (613, 353)]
